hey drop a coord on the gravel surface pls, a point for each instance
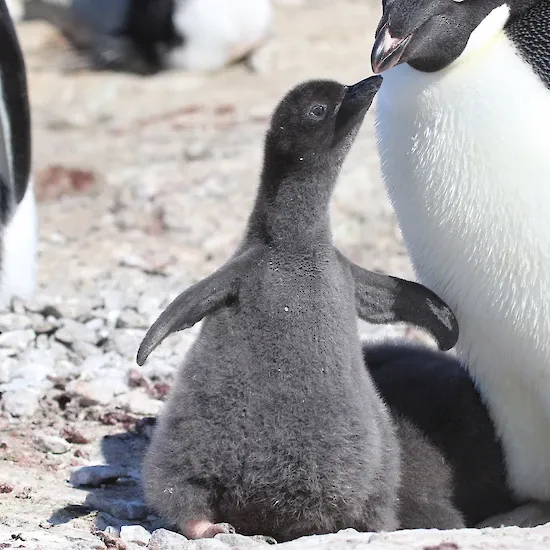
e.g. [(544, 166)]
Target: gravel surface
[(144, 188)]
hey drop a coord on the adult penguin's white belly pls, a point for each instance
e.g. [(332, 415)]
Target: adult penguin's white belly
[(465, 155)]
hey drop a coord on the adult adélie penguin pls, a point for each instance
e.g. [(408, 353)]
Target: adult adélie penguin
[(463, 128), (17, 204)]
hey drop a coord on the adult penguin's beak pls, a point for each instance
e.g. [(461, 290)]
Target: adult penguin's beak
[(387, 51)]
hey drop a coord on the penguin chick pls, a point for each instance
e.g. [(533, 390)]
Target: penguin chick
[(146, 36), (17, 203), (462, 125), (274, 425), (425, 494), (434, 392)]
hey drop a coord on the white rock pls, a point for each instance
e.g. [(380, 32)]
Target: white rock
[(85, 349), (41, 325), (20, 403), (113, 299), (34, 366), (59, 350), (80, 307), (95, 366), (129, 318), (161, 368), (53, 444), (135, 534), (150, 305), (209, 544), (14, 321), (126, 341), (17, 339), (112, 531), (95, 324), (94, 476), (73, 331), (90, 392), (6, 366), (138, 402), (162, 539), (240, 541)]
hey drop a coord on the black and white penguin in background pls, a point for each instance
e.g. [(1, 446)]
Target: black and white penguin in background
[(463, 127), (146, 36), (17, 204)]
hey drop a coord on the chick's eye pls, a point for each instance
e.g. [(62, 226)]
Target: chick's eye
[(318, 111)]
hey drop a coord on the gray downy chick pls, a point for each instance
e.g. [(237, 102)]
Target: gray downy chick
[(274, 425), (435, 393)]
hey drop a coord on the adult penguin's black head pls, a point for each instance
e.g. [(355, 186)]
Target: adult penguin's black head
[(429, 35)]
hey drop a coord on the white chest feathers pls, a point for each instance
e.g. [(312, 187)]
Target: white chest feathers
[(217, 32), (466, 161), (18, 239), (16, 9)]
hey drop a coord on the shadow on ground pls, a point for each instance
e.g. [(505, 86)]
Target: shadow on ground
[(115, 496)]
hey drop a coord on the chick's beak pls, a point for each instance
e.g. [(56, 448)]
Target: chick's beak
[(355, 103), (387, 50)]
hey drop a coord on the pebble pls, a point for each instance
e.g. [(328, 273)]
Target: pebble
[(112, 531), (127, 341), (162, 539), (94, 476), (77, 308), (197, 151), (14, 321), (34, 366), (20, 403), (53, 444), (138, 402), (207, 544), (135, 534), (43, 326), (122, 509), (17, 339), (234, 539), (6, 366), (113, 299), (129, 318), (90, 393), (72, 331), (85, 349), (93, 366)]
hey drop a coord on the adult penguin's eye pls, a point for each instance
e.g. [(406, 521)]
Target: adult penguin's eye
[(318, 111)]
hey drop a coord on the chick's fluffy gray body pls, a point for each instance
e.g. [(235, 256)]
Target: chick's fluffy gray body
[(299, 433), (274, 424)]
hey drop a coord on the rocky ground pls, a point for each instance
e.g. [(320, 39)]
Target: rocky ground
[(144, 187)]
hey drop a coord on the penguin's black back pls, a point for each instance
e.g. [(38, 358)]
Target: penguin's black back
[(434, 392), (530, 33), (17, 137)]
